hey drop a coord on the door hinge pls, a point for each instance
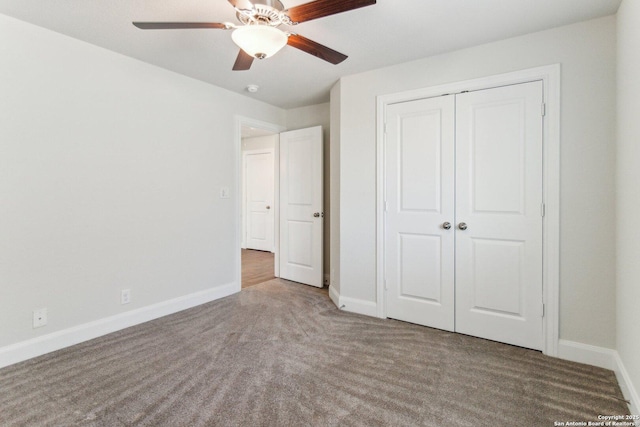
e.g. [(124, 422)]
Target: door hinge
[(542, 210), (385, 128), (385, 284), (543, 310), (386, 206), (544, 109)]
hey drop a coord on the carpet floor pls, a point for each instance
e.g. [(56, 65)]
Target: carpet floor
[(281, 354)]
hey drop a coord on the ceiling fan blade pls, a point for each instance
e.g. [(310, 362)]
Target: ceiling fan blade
[(320, 8), (315, 49), (180, 25), (243, 61)]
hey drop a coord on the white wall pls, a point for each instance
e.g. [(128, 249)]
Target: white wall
[(628, 192), (110, 171), (318, 115), (586, 52)]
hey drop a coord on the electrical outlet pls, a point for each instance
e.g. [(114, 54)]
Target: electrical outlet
[(39, 317), (125, 296)]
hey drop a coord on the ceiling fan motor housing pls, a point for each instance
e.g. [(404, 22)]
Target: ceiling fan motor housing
[(267, 12)]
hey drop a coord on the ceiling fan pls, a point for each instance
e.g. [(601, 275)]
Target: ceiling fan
[(259, 36)]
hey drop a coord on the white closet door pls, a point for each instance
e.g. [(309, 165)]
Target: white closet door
[(499, 199), (419, 192), (260, 183), (301, 215)]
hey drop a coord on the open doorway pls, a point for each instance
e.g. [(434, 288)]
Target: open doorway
[(258, 192), (290, 228)]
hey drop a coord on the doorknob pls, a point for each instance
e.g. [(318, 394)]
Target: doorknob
[(268, 207), (462, 226), (316, 215), (446, 225)]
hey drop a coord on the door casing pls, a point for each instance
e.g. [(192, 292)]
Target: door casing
[(550, 76)]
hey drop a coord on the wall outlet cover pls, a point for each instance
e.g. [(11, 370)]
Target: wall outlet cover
[(125, 296), (39, 317)]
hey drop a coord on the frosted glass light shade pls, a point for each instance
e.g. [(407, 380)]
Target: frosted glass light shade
[(259, 41)]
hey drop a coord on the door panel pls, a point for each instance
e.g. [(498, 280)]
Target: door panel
[(497, 290), (497, 156), (419, 267), (300, 200), (260, 183), (499, 197), (419, 253)]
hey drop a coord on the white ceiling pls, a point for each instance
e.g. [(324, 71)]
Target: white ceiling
[(389, 32)]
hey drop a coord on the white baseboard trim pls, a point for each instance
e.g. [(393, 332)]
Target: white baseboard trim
[(626, 385), (603, 358), (44, 344), (586, 353), (353, 305), (334, 295)]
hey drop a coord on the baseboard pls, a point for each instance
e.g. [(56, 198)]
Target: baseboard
[(25, 350), (603, 358), (334, 295), (585, 353), (353, 305), (626, 385)]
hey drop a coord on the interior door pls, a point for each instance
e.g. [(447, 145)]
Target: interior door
[(301, 212), (499, 214), (419, 237), (259, 173)]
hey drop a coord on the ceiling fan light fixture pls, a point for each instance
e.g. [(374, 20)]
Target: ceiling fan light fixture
[(259, 41)]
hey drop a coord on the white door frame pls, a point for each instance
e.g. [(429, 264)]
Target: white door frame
[(550, 77), (241, 121), (246, 153)]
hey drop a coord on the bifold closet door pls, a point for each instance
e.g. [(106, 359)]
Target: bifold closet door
[(499, 214), (419, 192)]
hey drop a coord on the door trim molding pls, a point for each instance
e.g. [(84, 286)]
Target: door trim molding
[(550, 77), (236, 190)]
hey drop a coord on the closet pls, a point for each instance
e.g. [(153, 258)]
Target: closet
[(463, 212)]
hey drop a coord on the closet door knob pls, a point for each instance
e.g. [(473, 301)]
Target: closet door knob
[(462, 226), (446, 225)]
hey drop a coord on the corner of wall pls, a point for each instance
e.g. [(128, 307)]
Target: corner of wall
[(626, 385), (603, 358), (353, 305)]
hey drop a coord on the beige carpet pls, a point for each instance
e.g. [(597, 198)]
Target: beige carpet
[(281, 354)]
